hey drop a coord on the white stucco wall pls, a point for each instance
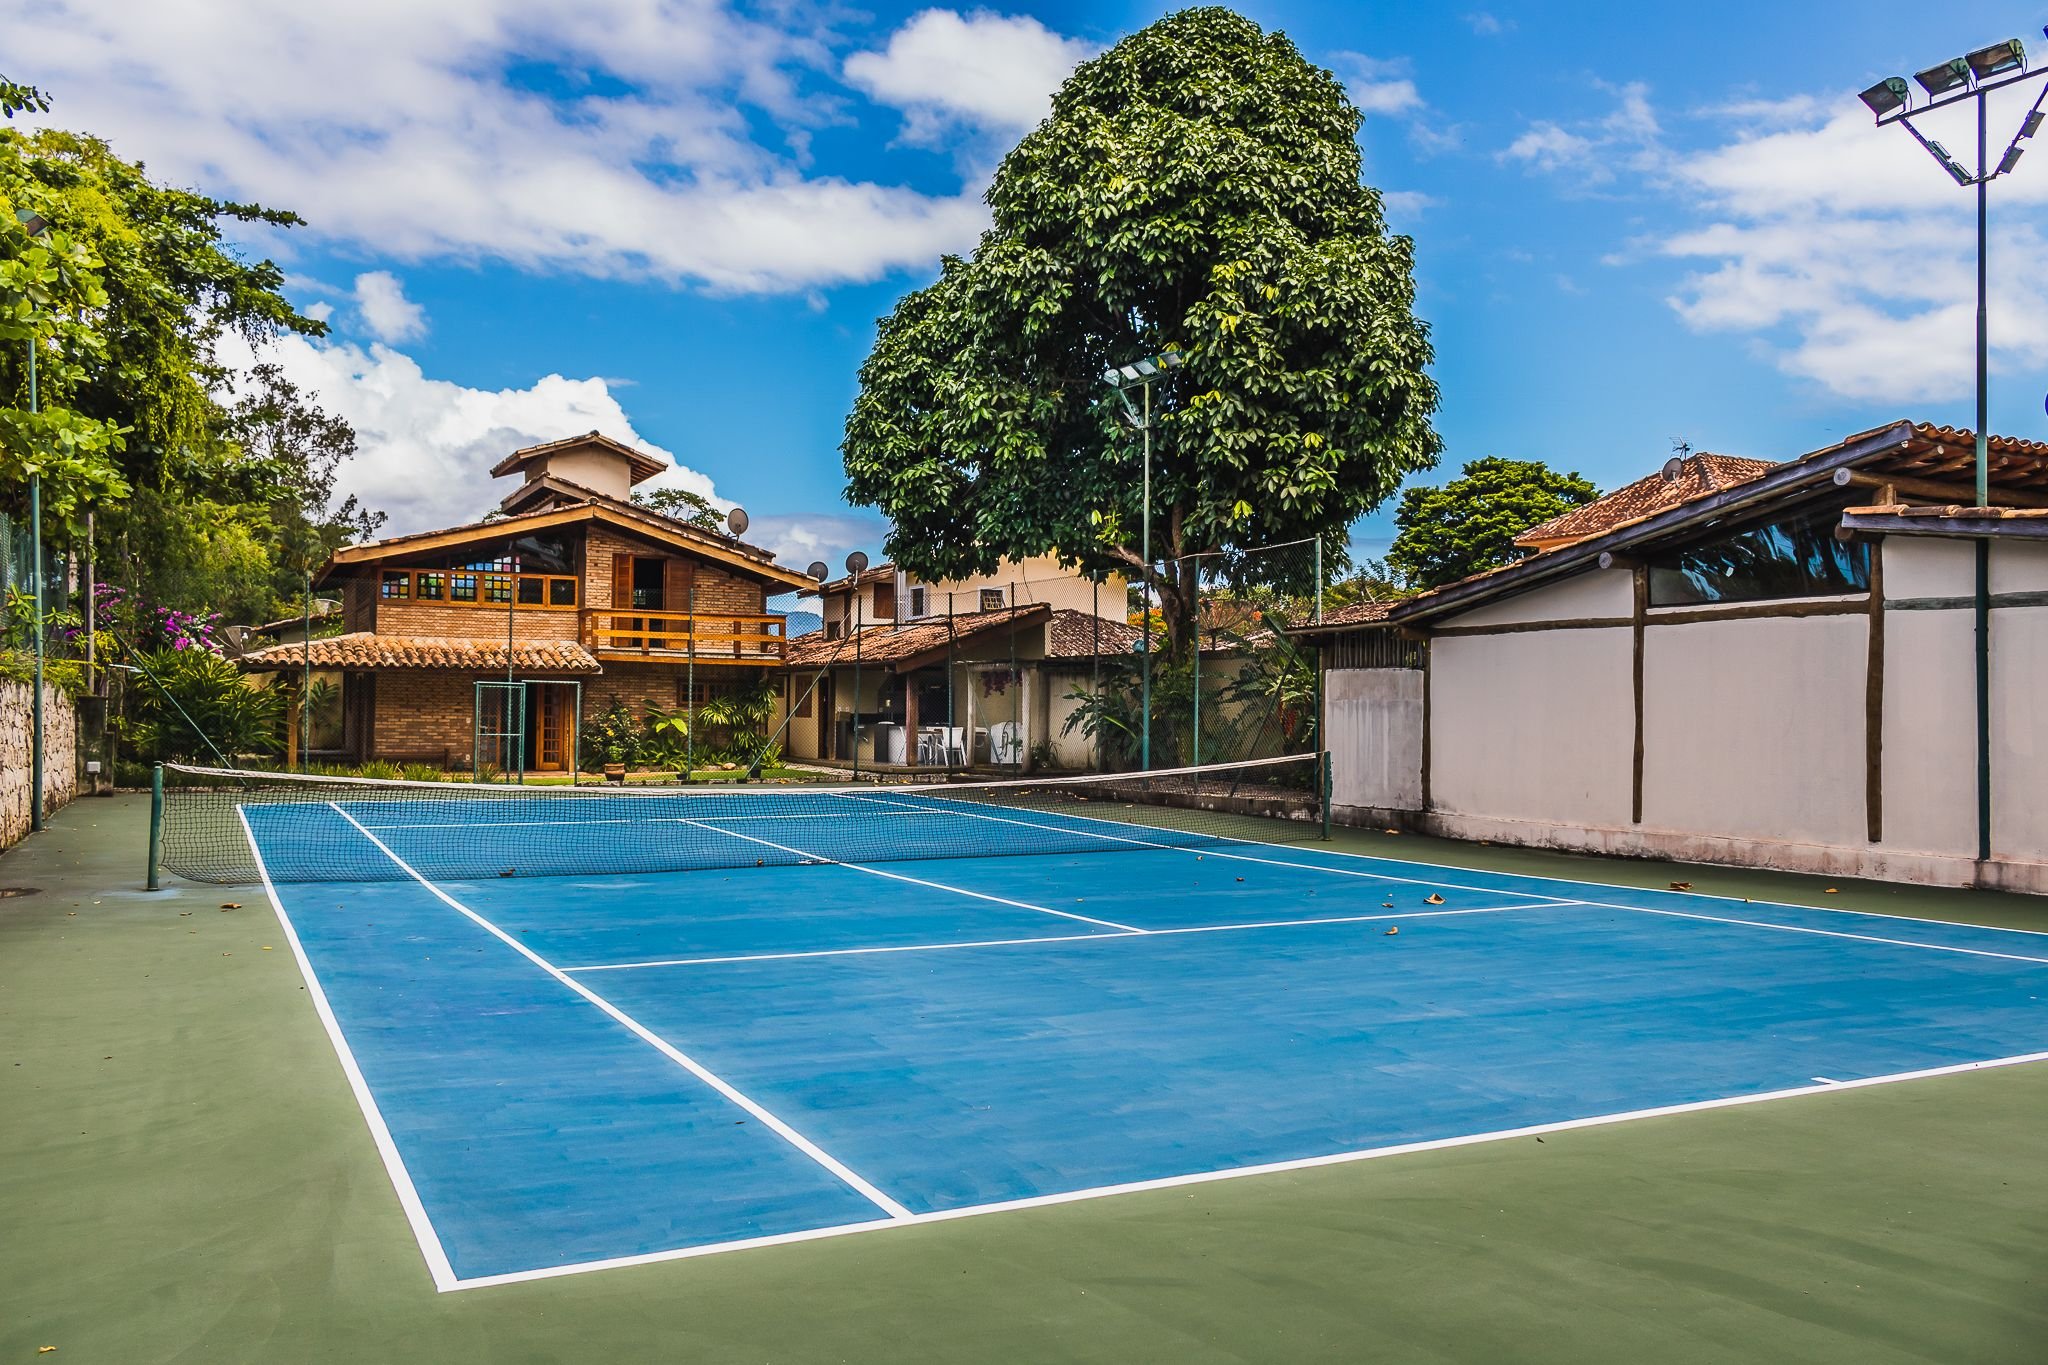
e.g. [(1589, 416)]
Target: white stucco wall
[(1930, 726), (1375, 729), (1593, 595), (1755, 728), (1533, 725)]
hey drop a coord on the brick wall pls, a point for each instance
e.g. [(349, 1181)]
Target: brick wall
[(717, 590), (441, 621), (424, 717)]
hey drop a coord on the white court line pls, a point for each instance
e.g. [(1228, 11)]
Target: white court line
[(1239, 1172), (380, 1132), (1205, 850), (1825, 933), (646, 1035), (634, 820), (1057, 938), (917, 881), (1609, 886)]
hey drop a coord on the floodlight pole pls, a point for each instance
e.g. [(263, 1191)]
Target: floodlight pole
[(1145, 639), (1896, 107), (35, 568)]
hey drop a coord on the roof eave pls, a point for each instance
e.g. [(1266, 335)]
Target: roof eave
[(1818, 467)]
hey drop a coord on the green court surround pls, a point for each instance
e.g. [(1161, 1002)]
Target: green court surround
[(184, 1176)]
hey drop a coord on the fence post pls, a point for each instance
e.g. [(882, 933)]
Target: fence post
[(156, 825)]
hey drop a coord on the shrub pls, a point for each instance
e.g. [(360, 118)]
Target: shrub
[(181, 689), (421, 772)]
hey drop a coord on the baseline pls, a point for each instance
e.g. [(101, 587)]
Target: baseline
[(1241, 1172)]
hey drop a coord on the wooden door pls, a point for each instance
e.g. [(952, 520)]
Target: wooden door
[(550, 753)]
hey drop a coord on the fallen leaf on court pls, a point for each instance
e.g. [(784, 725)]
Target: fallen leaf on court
[(266, 947), (1390, 831), (1829, 892), (184, 914), (1681, 886), (1434, 899), (1393, 929), (230, 905), (44, 1350)]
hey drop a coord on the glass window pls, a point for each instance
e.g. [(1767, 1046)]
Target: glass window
[(497, 587), (431, 587), (991, 599), (530, 591), (395, 585), (462, 587), (1798, 556), (561, 592)]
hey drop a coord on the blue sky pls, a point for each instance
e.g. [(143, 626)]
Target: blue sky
[(677, 220)]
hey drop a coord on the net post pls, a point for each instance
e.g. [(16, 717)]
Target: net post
[(1323, 790), (156, 826)]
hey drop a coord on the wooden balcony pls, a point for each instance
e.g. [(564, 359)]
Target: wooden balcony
[(677, 637)]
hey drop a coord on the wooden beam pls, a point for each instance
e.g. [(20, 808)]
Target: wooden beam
[(1637, 616), (1873, 705), (1959, 494)]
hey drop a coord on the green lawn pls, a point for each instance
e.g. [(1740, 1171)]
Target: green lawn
[(184, 1176)]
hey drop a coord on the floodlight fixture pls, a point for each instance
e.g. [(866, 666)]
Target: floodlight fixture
[(1950, 164), (1939, 80), (2012, 159), (2033, 123), (1997, 59), (1142, 371), (1887, 95)]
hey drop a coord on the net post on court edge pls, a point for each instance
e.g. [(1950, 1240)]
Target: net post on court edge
[(156, 826), (1323, 793)]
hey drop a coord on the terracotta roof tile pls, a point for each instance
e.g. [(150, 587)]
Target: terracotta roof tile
[(1074, 635), (1357, 614), (888, 643), (367, 650), (1698, 476)]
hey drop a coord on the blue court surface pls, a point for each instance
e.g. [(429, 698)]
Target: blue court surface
[(568, 1072)]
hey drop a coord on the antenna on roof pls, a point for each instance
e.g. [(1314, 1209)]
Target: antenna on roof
[(856, 563), (1674, 468), (736, 521), (818, 570)]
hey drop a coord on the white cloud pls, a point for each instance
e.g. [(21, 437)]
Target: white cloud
[(1407, 203), (1488, 25), (1849, 257), (425, 446), (418, 130), (390, 316), (1378, 86), (797, 538), (1627, 137), (984, 72)]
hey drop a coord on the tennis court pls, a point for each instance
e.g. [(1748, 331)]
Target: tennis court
[(840, 1011)]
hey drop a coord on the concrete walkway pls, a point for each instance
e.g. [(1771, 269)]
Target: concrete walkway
[(184, 1176)]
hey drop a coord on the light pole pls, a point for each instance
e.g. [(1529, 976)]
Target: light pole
[(1963, 78), (36, 226), (1141, 375)]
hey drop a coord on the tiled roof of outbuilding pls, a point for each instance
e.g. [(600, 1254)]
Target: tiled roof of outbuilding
[(1698, 475), (366, 650)]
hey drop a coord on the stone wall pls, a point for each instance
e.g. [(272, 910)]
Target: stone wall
[(60, 755)]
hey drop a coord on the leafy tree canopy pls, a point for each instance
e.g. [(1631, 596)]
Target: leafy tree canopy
[(1196, 187), (1469, 525), (203, 496), (685, 506)]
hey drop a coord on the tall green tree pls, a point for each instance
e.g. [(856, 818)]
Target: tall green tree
[(191, 480), (1196, 187), (1469, 525)]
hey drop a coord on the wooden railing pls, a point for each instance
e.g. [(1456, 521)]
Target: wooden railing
[(710, 636)]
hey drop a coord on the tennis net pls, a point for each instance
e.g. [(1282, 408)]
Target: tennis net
[(217, 822)]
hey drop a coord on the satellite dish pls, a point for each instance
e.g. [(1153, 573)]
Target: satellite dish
[(1674, 469), (736, 521), (856, 562), (818, 570)]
